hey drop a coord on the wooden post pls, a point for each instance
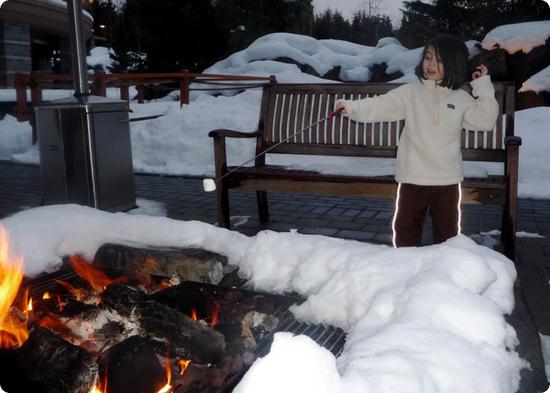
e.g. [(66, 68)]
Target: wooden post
[(100, 84), (21, 107), (36, 99), (36, 89), (125, 90), (139, 88), (509, 214), (184, 88), (125, 93)]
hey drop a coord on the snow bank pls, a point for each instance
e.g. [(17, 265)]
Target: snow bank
[(428, 319)]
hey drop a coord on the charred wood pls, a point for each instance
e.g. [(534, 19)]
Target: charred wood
[(191, 264), (47, 364), (175, 333), (132, 366), (123, 298)]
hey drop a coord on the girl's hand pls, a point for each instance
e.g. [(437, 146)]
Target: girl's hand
[(339, 107), (479, 72)]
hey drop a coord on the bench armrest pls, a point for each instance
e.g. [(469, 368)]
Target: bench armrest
[(512, 141), (220, 154), (223, 133)]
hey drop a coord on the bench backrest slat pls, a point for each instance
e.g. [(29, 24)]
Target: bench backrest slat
[(288, 108)]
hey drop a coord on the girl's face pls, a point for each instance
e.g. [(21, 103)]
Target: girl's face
[(432, 66)]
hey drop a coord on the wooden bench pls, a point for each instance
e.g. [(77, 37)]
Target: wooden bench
[(287, 108)]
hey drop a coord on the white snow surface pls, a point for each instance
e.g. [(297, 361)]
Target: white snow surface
[(355, 60), (419, 320), (538, 82), (100, 56), (518, 36)]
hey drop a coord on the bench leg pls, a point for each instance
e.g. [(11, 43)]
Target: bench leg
[(508, 234), (223, 206), (263, 209)]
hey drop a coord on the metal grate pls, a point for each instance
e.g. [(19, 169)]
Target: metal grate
[(330, 337)]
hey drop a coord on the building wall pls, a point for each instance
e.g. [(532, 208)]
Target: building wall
[(15, 50)]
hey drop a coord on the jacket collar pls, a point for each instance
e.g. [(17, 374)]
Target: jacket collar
[(433, 84)]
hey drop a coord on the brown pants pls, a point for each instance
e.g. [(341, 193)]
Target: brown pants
[(412, 203)]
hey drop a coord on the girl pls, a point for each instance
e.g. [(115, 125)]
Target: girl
[(429, 161)]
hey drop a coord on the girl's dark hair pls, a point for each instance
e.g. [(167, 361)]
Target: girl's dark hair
[(453, 54)]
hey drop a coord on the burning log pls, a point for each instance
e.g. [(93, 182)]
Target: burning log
[(123, 298), (188, 264), (92, 327), (47, 364), (132, 366), (175, 333), (123, 311)]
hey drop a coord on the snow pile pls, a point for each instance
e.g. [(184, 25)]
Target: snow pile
[(355, 60), (538, 82), (117, 4), (534, 172), (518, 37), (100, 56), (419, 320)]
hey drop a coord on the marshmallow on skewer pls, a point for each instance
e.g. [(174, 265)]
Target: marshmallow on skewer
[(208, 184)]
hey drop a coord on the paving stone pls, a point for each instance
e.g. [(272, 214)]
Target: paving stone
[(314, 222), (351, 213), (367, 213), (384, 215), (384, 238), (319, 231), (355, 235), (321, 209)]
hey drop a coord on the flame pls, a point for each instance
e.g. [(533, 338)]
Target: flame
[(78, 293), (46, 296), (94, 276), (214, 320), (29, 307), (97, 389), (167, 388), (194, 315), (100, 387), (150, 263), (14, 330), (183, 363), (60, 303), (53, 323)]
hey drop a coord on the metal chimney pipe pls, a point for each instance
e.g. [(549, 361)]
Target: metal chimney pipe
[(78, 48)]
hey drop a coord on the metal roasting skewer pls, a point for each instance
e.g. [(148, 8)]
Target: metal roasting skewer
[(209, 184)]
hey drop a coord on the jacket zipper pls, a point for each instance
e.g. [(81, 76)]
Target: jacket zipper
[(435, 108)]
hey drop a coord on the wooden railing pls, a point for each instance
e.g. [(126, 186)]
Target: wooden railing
[(100, 81)]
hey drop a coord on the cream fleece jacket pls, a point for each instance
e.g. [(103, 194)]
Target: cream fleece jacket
[(429, 147)]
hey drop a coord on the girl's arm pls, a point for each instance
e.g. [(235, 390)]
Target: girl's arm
[(482, 114), (385, 107)]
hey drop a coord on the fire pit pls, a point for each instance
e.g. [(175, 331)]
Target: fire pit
[(99, 330)]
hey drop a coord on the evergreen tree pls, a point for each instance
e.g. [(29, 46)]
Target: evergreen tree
[(368, 29), (470, 19), (364, 29), (173, 34)]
